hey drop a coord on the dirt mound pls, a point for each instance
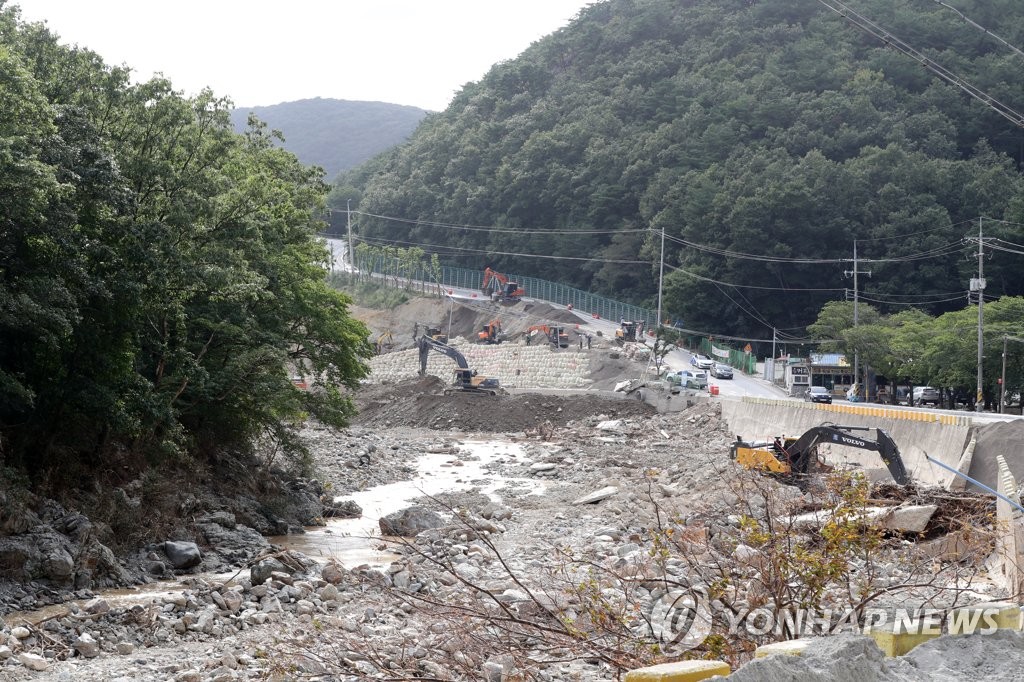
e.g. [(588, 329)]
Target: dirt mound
[(421, 403), (463, 318)]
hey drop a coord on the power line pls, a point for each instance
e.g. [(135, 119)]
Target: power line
[(451, 251), (899, 45), (979, 27), (482, 228), (744, 286)]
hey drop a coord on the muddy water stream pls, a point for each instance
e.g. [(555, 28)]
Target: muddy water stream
[(357, 541), (352, 542)]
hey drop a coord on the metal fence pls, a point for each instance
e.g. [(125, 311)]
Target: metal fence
[(396, 273)]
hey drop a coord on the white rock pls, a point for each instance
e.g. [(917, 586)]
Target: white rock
[(20, 632), (597, 495), (5, 653), (86, 646), (542, 466), (33, 662)]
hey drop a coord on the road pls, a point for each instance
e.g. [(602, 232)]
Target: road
[(741, 385)]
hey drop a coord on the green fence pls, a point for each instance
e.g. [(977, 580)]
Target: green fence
[(740, 359), (396, 273)]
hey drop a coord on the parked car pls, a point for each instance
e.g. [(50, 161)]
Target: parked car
[(924, 395), (819, 394), (694, 380), (701, 361), (720, 371)]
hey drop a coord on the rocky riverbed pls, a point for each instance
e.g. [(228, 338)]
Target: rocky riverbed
[(546, 564)]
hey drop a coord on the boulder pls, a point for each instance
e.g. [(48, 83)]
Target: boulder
[(410, 522), (261, 572), (33, 662), (86, 646), (596, 496), (182, 555), (344, 509)]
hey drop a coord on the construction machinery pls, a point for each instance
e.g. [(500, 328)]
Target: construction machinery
[(466, 379), (500, 290), (435, 334), (556, 336), (799, 456), (629, 331), (491, 333), (385, 342)]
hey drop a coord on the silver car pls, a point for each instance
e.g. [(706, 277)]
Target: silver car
[(721, 371), (688, 379)]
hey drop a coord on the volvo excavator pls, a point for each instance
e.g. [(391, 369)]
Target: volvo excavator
[(466, 379), (799, 456), (500, 290)]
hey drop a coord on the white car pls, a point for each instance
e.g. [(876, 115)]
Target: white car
[(702, 362), (688, 379)]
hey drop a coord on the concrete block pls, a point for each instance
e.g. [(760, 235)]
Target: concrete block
[(681, 671), (963, 466), (910, 519), (895, 640), (984, 617), (794, 647)]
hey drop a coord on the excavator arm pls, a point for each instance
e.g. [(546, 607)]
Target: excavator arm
[(803, 452), (465, 378)]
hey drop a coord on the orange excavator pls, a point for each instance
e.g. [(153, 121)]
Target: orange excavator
[(491, 333), (498, 287), (556, 336)]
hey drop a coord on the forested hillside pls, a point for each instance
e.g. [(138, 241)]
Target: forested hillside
[(160, 275), (764, 138), (335, 134)]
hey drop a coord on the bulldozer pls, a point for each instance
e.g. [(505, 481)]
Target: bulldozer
[(491, 333), (797, 458), (629, 331)]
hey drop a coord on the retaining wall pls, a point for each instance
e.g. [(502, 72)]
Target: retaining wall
[(514, 365), (942, 437)]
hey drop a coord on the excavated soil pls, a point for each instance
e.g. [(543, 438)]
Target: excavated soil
[(421, 403), (463, 317)]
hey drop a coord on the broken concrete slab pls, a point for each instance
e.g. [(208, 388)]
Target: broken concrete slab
[(596, 496), (908, 519)]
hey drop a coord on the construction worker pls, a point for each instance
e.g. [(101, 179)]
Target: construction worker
[(588, 341)]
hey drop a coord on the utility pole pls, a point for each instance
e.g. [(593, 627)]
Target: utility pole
[(856, 353), (979, 286), (774, 336), (661, 278), (351, 253)]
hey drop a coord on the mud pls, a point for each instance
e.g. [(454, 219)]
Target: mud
[(421, 404)]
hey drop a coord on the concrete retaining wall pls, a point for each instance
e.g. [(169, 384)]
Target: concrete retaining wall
[(942, 437), (515, 365)]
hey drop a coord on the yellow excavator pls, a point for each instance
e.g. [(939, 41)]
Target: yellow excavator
[(799, 456), (385, 342)]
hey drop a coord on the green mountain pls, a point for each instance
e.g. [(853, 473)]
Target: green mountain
[(335, 134), (757, 135)]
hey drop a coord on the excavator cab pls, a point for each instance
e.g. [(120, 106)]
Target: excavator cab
[(491, 333), (799, 456), (435, 334)]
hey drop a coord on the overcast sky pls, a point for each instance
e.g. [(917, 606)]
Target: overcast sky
[(416, 52)]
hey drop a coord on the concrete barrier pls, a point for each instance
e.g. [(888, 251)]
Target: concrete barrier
[(681, 671), (916, 433)]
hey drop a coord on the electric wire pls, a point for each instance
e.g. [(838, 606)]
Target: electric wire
[(891, 40), (452, 250), (484, 228), (978, 26)]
